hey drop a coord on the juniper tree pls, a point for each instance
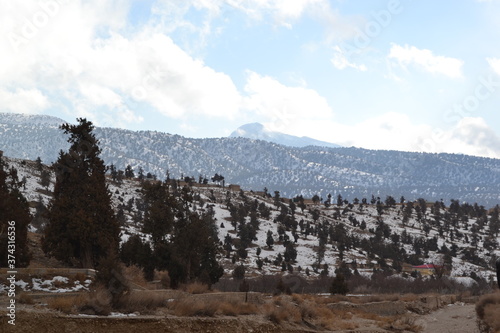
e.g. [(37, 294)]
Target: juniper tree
[(14, 220), (82, 227), (159, 208)]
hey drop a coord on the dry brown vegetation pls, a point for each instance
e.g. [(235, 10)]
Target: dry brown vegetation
[(25, 298), (487, 310), (210, 308), (135, 275), (143, 302), (195, 288), (322, 312), (69, 304)]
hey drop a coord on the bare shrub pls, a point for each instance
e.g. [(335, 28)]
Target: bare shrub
[(164, 278), (187, 307), (67, 304), (282, 309), (80, 277), (402, 323), (134, 274), (487, 309), (140, 301), (236, 308), (97, 302), (195, 288), (25, 298)]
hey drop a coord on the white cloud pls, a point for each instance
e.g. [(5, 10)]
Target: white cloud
[(340, 61), (283, 12), (397, 131), (87, 64), (284, 107), (425, 59), (27, 101), (494, 64)]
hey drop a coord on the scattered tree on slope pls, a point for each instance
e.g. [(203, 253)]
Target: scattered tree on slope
[(82, 227), (14, 220)]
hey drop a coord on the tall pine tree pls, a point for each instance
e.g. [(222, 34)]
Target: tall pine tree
[(14, 219), (82, 227)]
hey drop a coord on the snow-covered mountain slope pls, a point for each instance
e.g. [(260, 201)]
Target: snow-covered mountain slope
[(373, 236), (257, 131), (255, 164)]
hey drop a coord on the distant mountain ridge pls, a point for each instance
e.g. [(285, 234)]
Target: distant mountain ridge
[(257, 131), (19, 119), (255, 164)]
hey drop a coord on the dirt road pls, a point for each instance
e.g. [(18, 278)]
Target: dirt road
[(456, 318)]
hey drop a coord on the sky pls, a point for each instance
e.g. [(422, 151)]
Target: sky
[(380, 74)]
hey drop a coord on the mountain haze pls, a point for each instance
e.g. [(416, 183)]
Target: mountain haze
[(257, 131), (255, 164)]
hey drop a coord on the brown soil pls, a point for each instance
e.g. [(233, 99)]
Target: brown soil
[(454, 318), (50, 322)]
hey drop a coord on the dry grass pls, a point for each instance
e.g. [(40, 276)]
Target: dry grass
[(195, 288), (402, 323), (25, 298), (97, 302), (187, 307), (80, 277), (164, 278), (134, 274), (487, 310), (285, 312), (68, 304), (141, 301)]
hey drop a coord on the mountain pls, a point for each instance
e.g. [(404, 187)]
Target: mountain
[(257, 131), (255, 164), (371, 237)]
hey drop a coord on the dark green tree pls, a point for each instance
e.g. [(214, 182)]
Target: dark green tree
[(159, 216), (14, 220), (82, 227), (194, 248), (494, 223), (129, 172), (45, 179), (38, 164), (269, 239), (339, 285)]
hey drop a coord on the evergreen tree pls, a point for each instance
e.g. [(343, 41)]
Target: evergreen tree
[(495, 222), (194, 249), (269, 239), (82, 226), (45, 179), (159, 217), (129, 172), (339, 285), (38, 164), (14, 220)]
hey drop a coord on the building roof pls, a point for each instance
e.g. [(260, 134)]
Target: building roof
[(427, 266)]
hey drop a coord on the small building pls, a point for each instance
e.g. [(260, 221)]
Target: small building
[(234, 188), (428, 269), (309, 202)]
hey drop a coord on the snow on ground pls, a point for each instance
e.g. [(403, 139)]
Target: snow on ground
[(58, 284), (127, 194)]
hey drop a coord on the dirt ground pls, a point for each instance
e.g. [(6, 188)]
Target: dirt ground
[(453, 318), (445, 317)]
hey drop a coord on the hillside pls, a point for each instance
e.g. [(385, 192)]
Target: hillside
[(369, 237), (255, 164)]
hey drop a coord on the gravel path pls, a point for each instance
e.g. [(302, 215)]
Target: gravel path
[(456, 318)]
